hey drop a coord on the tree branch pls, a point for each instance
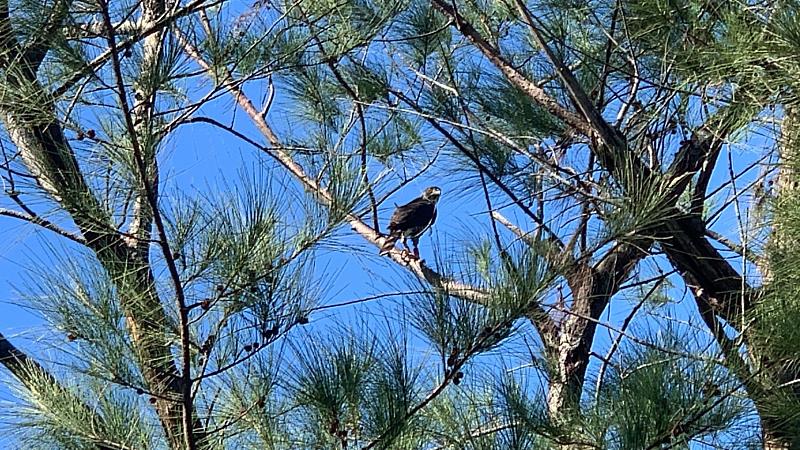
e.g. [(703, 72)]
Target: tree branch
[(276, 151), (690, 254), (44, 223), (149, 179)]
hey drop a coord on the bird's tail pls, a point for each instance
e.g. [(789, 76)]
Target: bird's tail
[(388, 245)]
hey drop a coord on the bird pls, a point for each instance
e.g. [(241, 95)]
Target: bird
[(412, 220)]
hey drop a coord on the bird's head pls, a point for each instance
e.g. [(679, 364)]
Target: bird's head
[(432, 194)]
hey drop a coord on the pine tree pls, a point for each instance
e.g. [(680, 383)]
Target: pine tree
[(598, 144)]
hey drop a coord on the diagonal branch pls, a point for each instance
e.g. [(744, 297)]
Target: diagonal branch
[(276, 151), (607, 135), (516, 77)]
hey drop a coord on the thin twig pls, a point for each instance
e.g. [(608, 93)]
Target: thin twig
[(615, 345), (44, 223)]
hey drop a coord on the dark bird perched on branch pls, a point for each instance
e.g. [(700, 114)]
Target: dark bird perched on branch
[(412, 220)]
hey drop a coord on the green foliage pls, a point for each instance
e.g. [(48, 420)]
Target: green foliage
[(399, 137), (254, 409), (82, 303), (58, 414), (317, 95), (244, 237), (653, 399), (331, 386), (529, 411), (392, 394), (423, 31), (510, 111), (637, 205), (370, 83), (346, 185), (343, 26)]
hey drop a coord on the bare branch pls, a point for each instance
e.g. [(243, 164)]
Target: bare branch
[(44, 223)]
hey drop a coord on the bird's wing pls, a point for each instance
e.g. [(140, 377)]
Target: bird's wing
[(417, 231), (416, 214)]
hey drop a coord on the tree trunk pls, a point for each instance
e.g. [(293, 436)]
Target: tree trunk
[(591, 289)]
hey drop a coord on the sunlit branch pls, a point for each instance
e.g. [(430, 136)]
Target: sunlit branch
[(359, 226)]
